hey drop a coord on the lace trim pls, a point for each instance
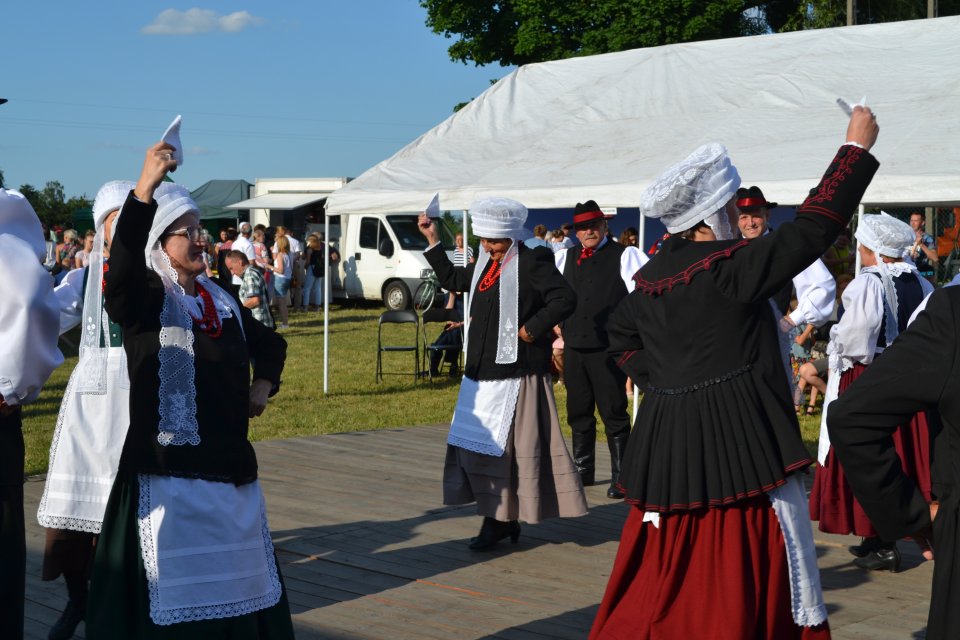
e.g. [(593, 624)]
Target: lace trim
[(62, 522), (496, 445), (192, 614), (806, 596), (701, 385), (685, 276)]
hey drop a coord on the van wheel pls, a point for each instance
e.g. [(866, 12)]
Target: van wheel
[(396, 296)]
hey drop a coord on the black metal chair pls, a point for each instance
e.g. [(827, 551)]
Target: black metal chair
[(440, 316), (398, 317)]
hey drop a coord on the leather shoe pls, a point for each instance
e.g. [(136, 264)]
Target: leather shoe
[(866, 546), (493, 531), (880, 560), (615, 492), (66, 625)]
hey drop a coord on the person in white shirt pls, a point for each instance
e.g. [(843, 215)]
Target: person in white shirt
[(244, 245), (29, 328), (816, 288)]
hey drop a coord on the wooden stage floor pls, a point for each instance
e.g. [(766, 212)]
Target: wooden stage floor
[(368, 552)]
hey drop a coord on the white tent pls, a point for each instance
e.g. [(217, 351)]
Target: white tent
[(604, 127)]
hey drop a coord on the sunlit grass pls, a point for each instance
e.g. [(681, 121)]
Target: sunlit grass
[(355, 401)]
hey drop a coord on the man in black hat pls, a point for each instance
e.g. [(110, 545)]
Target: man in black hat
[(816, 289), (601, 272)]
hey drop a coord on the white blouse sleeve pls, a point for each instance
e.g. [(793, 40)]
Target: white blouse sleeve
[(29, 323), (854, 338), (69, 295), (630, 262), (816, 294), (560, 259)]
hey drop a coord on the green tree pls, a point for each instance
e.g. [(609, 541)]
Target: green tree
[(33, 196), (819, 14), (516, 32), (1, 178)]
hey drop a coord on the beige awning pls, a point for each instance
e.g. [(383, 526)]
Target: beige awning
[(282, 201)]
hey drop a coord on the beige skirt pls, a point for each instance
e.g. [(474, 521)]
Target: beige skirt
[(534, 479)]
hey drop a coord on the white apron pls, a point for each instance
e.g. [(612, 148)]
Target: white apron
[(86, 450), (206, 549)]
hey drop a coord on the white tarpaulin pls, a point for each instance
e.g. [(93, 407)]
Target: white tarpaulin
[(604, 127)]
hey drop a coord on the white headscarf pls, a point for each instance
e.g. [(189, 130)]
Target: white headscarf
[(496, 218), (178, 394), (884, 235), (93, 357), (694, 190)]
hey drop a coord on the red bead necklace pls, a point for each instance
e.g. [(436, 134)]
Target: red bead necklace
[(491, 276), (210, 322)]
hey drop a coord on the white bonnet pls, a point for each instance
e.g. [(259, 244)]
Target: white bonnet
[(18, 219), (884, 234), (693, 189), (110, 197), (497, 218), (173, 200)]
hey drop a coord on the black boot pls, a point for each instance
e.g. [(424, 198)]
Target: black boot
[(886, 558), (493, 531), (584, 446), (866, 546), (617, 446), (72, 616)]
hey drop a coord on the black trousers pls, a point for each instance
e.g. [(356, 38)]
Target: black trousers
[(13, 545), (593, 380)]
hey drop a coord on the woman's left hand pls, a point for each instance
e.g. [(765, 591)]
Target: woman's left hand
[(526, 337), (259, 392)]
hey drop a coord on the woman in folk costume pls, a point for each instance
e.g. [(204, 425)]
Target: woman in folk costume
[(717, 542), (185, 550), (877, 305), (505, 450), (91, 425)]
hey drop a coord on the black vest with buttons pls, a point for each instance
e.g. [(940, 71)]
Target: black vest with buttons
[(599, 288)]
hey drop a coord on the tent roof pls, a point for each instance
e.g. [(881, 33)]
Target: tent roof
[(284, 201), (214, 196), (604, 127)]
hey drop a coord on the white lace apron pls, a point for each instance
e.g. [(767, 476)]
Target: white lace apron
[(206, 549), (85, 452), (483, 415)]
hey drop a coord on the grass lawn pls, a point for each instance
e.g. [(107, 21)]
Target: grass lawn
[(355, 402)]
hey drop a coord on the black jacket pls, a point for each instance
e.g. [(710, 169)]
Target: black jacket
[(545, 299), (921, 370), (717, 423), (134, 299)]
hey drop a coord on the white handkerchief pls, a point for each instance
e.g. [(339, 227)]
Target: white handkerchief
[(172, 137), (848, 108), (433, 209)]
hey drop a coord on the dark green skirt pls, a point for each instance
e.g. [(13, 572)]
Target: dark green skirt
[(119, 606)]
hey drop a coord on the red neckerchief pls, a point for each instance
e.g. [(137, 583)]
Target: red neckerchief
[(584, 254)]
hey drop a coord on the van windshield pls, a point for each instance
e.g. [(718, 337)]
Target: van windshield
[(409, 236)]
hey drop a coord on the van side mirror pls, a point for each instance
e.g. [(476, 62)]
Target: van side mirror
[(386, 248)]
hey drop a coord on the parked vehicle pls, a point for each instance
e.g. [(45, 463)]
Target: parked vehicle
[(381, 256)]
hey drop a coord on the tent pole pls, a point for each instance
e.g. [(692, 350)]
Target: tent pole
[(641, 227), (326, 304), (859, 220), (466, 295)]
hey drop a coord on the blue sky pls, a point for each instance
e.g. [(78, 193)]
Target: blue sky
[(266, 89)]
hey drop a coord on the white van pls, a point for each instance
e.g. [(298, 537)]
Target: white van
[(381, 256)]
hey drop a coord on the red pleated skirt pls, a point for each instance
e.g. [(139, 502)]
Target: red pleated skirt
[(716, 573), (832, 501)]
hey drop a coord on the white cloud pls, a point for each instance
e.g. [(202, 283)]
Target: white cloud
[(171, 22)]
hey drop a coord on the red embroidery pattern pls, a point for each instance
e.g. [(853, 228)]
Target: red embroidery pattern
[(828, 186), (103, 280), (685, 276)]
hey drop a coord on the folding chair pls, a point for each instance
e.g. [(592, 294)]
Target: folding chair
[(398, 317), (439, 316)]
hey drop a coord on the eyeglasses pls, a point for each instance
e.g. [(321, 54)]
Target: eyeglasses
[(193, 234)]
